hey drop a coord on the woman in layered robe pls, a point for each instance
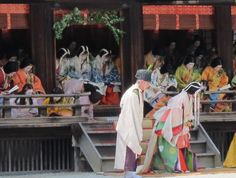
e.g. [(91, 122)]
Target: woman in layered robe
[(59, 111), (3, 61), (10, 69), (104, 68), (75, 86), (160, 101), (162, 78), (24, 75), (186, 74), (24, 112), (171, 134), (216, 78), (105, 73), (78, 66)]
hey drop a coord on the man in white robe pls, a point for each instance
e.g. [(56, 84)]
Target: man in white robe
[(129, 126)]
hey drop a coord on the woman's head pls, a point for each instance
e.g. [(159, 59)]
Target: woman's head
[(189, 62), (83, 52), (27, 65), (10, 68), (57, 90), (217, 63)]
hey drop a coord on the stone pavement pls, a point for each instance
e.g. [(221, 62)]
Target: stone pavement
[(212, 173)]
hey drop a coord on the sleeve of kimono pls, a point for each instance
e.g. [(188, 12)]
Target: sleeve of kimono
[(17, 81), (178, 76), (205, 74), (63, 68), (196, 76), (188, 109), (38, 85)]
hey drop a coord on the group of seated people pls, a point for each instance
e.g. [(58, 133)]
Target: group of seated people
[(78, 64), (209, 71), (18, 78)]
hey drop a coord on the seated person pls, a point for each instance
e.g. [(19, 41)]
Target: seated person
[(185, 74), (59, 111), (163, 78), (79, 65), (75, 86), (105, 72), (3, 61), (10, 69), (24, 112), (24, 75), (151, 59), (161, 100), (215, 77), (104, 68)]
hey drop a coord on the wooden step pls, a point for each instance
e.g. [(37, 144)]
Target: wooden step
[(194, 134), (198, 146), (93, 128), (106, 139), (205, 160), (106, 152)]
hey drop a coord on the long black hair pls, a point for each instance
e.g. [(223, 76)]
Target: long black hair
[(22, 101), (95, 94), (56, 90)]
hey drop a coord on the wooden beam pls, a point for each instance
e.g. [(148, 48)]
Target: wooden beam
[(224, 36), (42, 41)]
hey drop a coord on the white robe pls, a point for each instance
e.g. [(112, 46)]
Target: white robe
[(129, 126)]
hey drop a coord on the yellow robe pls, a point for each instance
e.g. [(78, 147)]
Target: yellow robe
[(61, 111), (184, 76)]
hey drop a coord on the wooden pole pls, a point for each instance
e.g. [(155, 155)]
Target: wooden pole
[(224, 36), (42, 42)]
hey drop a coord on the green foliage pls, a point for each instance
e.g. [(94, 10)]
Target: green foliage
[(107, 18)]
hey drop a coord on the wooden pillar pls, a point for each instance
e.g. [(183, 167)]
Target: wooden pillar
[(136, 37), (125, 52), (224, 36), (42, 42)]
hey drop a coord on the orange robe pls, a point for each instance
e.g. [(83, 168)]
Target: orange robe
[(216, 80), (20, 78), (162, 102)]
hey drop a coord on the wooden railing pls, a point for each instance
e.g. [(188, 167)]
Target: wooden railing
[(5, 107)]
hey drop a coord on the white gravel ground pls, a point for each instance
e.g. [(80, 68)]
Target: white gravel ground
[(92, 175)]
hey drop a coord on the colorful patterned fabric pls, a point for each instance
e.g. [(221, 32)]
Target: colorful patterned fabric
[(171, 159), (185, 76), (216, 80), (113, 76)]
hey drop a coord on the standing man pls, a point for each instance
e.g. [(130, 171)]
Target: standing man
[(129, 127)]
